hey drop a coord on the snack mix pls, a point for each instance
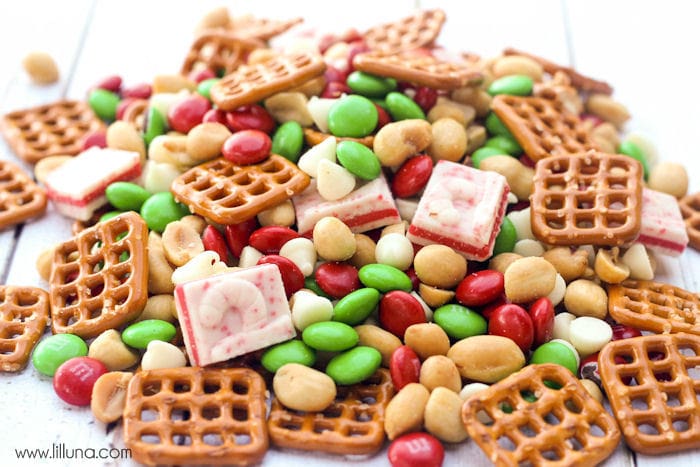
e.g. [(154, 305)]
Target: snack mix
[(367, 241)]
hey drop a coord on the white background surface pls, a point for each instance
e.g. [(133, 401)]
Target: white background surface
[(646, 50)]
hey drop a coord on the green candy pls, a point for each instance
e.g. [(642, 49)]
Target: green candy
[(514, 85), (161, 209), (288, 141), (381, 103), (204, 87), (155, 125), (311, 284), (484, 153), (384, 278), (495, 126), (51, 352), (126, 196), (104, 103), (402, 107), (506, 238), (353, 116), (358, 159), (330, 336), (370, 85), (354, 366), (628, 148), (506, 144), (109, 215), (356, 306), (138, 335), (555, 352), (294, 351), (459, 321)]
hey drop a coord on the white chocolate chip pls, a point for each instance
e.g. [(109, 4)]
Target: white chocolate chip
[(588, 335), (319, 108), (528, 247), (521, 222), (472, 388), (395, 250), (158, 176), (428, 311), (334, 181), (557, 294), (308, 162), (637, 259), (562, 321), (407, 208), (301, 252), (249, 257), (309, 308), (161, 354)]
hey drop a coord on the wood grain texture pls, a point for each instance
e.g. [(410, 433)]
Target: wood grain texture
[(138, 39)]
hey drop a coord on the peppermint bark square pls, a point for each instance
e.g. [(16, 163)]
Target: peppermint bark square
[(462, 208), (234, 313), (663, 228)]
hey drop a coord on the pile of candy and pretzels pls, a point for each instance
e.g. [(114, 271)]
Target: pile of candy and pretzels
[(395, 240)]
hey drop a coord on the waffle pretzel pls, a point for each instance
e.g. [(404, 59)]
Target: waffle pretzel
[(652, 391), (49, 130), (412, 32), (219, 52), (541, 126), (196, 416), (531, 423), (249, 84), (313, 137), (419, 68), (229, 194), (579, 81), (690, 208), (262, 29), (653, 306), (99, 277), (24, 312), (587, 199), (353, 424), (20, 197)]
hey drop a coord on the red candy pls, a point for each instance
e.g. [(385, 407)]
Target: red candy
[(138, 91), (334, 89), (250, 117), (513, 322), (356, 47), (215, 116), (398, 310), (383, 117), (620, 331), (334, 75), (404, 367), (542, 315), (269, 240), (426, 98), (110, 83), (292, 277), (416, 450), (337, 279), (247, 147), (480, 288), (188, 113), (412, 176), (96, 138), (237, 235), (214, 241), (415, 281), (488, 310), (200, 75), (123, 105), (74, 379)]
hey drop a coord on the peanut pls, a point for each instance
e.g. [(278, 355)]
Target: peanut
[(196, 222), (172, 84), (289, 106), (282, 214), (440, 371), (379, 339), (123, 135), (669, 177), (427, 339), (40, 67), (443, 416), (159, 307), (609, 110), (110, 350), (449, 140), (205, 140), (453, 266), (518, 176), (502, 261), (517, 65), (181, 243), (486, 359), (313, 87), (299, 387), (405, 411), (395, 142), (333, 239), (586, 298), (48, 164), (570, 265), (608, 268), (433, 296), (364, 251), (109, 396), (528, 279), (475, 97), (217, 18), (476, 137), (44, 262)]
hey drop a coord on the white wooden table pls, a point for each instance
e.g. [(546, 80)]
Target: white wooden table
[(646, 50)]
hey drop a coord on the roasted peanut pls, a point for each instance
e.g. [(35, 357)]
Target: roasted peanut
[(41, 67), (47, 165), (282, 214), (427, 339), (364, 251), (399, 228), (476, 137), (379, 339), (486, 359), (218, 18), (110, 350), (440, 371), (299, 387), (44, 262), (289, 106), (159, 307), (608, 268), (669, 177), (501, 261), (159, 270), (196, 222), (475, 97), (453, 266), (109, 396), (518, 176), (570, 265), (609, 110), (433, 296), (586, 298), (593, 390), (449, 140), (172, 84), (397, 141), (261, 55), (405, 411), (443, 416), (181, 243), (528, 279), (205, 140), (333, 239), (517, 65), (313, 87), (123, 135), (606, 132)]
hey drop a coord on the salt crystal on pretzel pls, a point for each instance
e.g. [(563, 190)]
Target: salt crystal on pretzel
[(462, 208), (231, 314), (77, 188), (663, 229), (368, 207)]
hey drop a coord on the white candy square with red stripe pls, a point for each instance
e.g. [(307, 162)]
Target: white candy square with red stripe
[(234, 313), (663, 229), (462, 208)]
